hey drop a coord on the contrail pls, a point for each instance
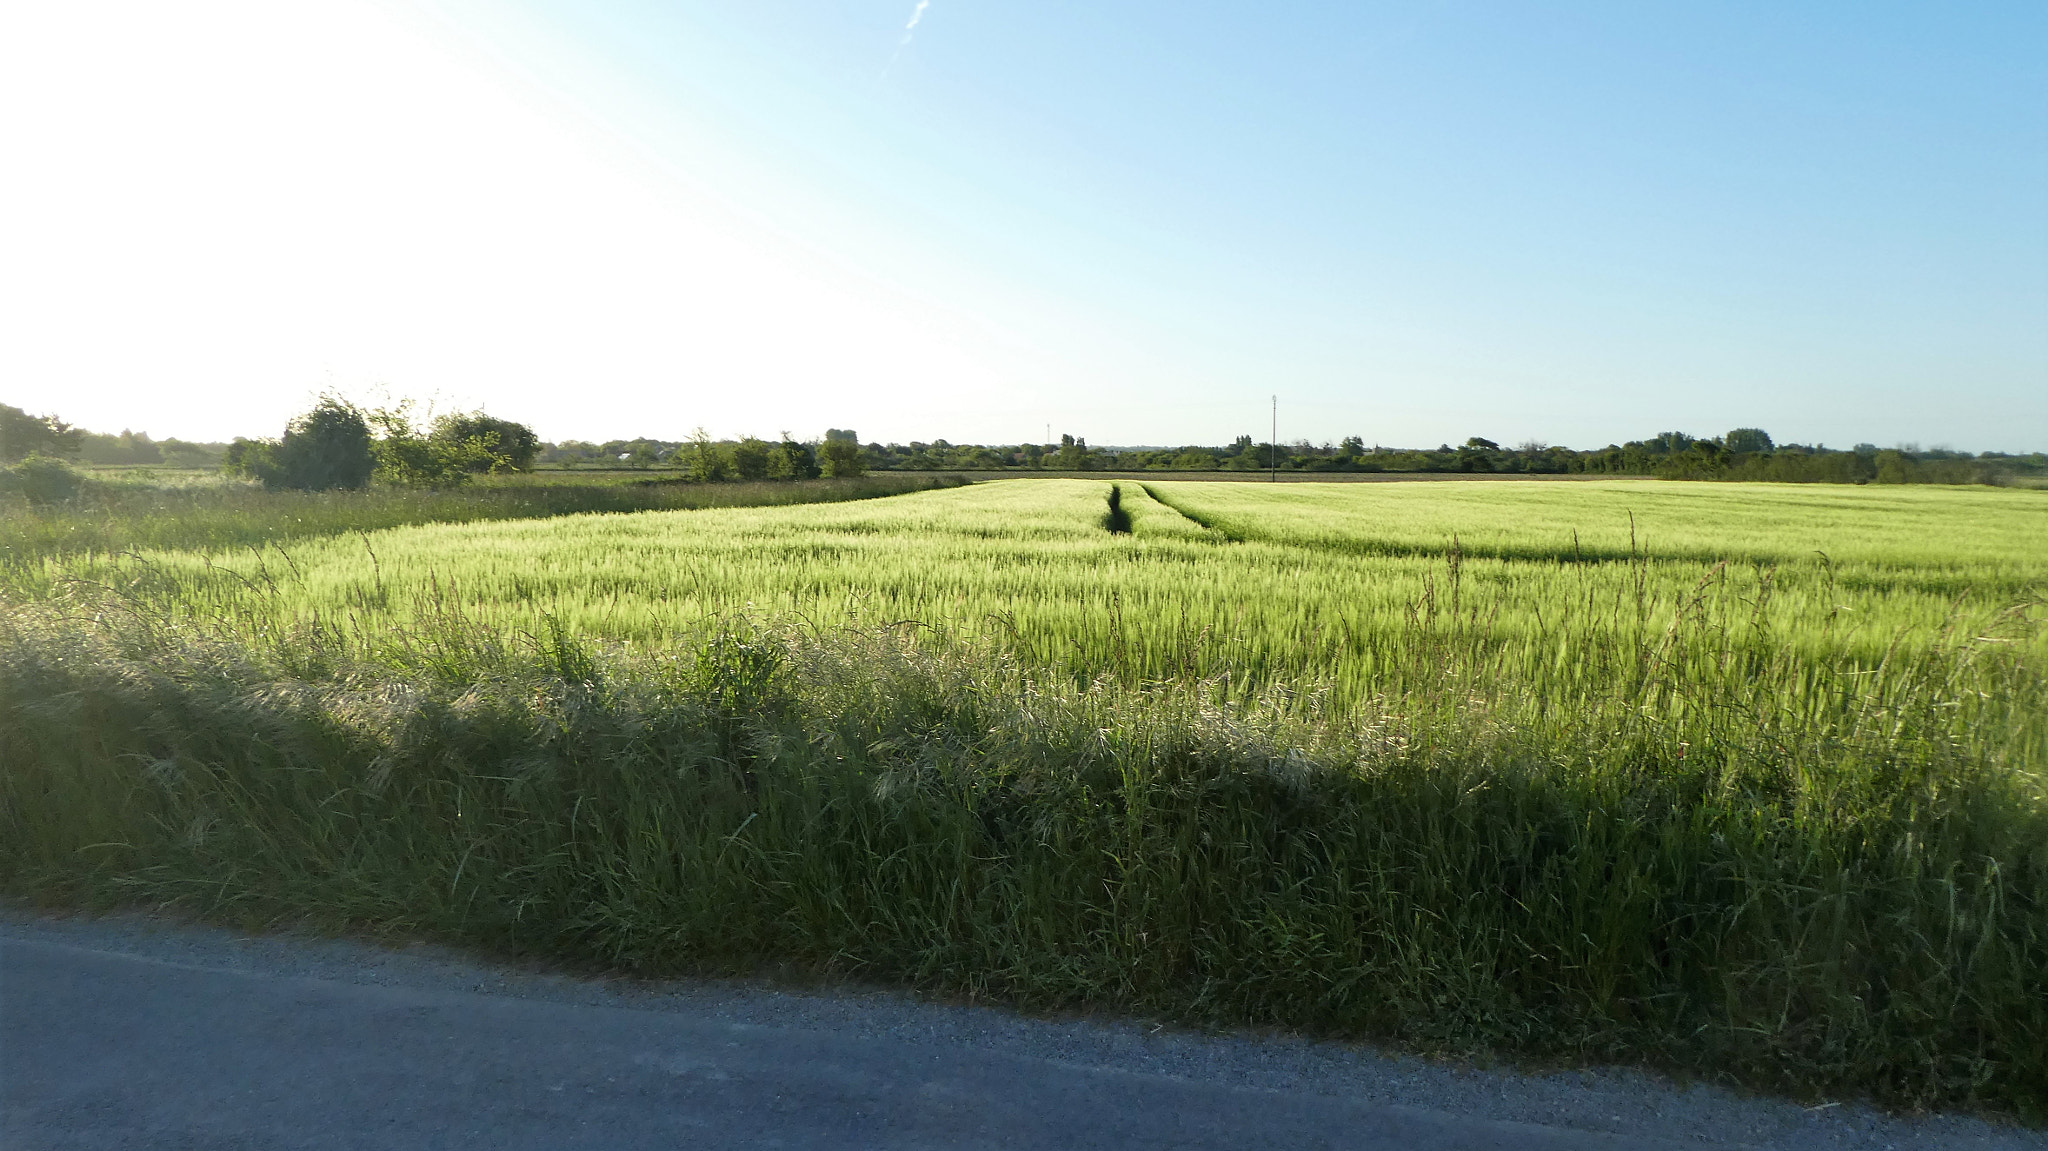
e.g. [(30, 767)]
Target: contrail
[(909, 31), (911, 28)]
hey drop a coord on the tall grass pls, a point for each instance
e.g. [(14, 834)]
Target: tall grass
[(1761, 814), (1030, 563), (148, 511), (1846, 899)]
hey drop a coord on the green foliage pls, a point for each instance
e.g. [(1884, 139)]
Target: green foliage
[(842, 458), (456, 447), (750, 460), (1074, 455), (327, 448), (1747, 440), (137, 449), (485, 443), (42, 480), (23, 435), (789, 460), (338, 445), (408, 457), (705, 460)]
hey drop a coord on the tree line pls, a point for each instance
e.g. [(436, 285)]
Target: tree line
[(1740, 454), (338, 444)]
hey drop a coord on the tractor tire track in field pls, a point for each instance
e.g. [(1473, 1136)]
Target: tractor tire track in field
[(1199, 521)]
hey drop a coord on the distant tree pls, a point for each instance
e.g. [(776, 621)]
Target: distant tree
[(327, 447), (1074, 455), (843, 457), (179, 454), (1482, 443), (704, 460), (127, 448), (841, 435), (789, 460), (23, 435), (1896, 467), (750, 458), (488, 444), (1747, 440), (1352, 446)]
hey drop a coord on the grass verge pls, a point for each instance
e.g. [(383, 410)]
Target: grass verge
[(1843, 901)]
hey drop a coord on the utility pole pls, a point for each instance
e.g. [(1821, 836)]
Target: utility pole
[(1274, 443)]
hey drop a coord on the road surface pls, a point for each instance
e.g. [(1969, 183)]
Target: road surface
[(132, 1033)]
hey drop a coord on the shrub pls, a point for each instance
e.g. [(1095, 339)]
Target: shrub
[(485, 443), (43, 480), (326, 448)]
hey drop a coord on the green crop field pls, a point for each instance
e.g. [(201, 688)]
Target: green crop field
[(1742, 779)]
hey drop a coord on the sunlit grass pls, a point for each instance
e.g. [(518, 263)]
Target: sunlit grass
[(1756, 792)]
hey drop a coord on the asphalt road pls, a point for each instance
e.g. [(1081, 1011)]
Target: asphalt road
[(161, 1036)]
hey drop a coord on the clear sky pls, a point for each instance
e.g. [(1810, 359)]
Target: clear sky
[(1413, 221)]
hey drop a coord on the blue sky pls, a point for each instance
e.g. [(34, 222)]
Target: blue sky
[(1412, 221)]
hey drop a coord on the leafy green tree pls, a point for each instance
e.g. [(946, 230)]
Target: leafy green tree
[(843, 458), (750, 458), (1896, 467), (410, 458), (790, 460), (328, 447), (489, 443), (1747, 440), (704, 460), (23, 435), (1074, 455)]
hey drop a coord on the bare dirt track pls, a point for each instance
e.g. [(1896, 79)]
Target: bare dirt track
[(129, 1031)]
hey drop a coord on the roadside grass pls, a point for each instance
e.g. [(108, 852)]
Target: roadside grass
[(1846, 901), (1758, 816)]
